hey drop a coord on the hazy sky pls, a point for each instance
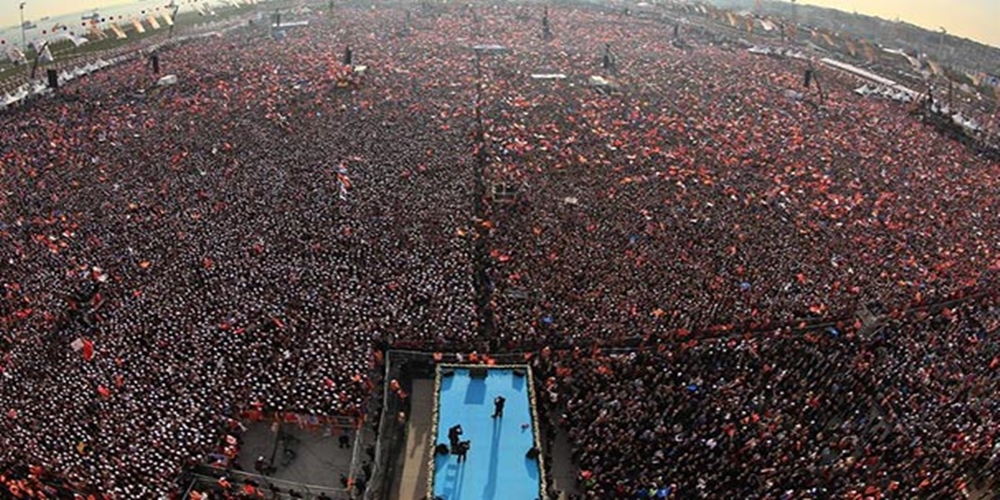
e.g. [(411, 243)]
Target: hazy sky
[(35, 9), (976, 19)]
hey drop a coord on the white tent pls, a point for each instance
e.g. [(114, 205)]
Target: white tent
[(291, 24), (490, 48), (40, 88), (599, 81), (20, 93), (60, 37), (167, 80)]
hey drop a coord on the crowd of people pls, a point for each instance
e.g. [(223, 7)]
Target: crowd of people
[(197, 237), (254, 235), (704, 194), (906, 413)]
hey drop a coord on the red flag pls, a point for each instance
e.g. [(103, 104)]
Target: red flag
[(104, 392), (88, 350)]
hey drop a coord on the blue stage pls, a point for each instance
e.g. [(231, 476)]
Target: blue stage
[(496, 466)]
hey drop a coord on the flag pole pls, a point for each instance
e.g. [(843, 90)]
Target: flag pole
[(173, 21), (38, 55)]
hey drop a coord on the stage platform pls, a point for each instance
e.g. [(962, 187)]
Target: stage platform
[(496, 466)]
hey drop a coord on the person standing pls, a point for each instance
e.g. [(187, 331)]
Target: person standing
[(498, 403), (463, 449), (453, 434)]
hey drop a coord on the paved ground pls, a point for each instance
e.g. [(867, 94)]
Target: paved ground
[(563, 470), (411, 481), (315, 456)]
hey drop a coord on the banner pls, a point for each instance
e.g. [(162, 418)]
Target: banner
[(119, 33), (935, 67), (851, 49), (96, 32), (15, 55), (829, 40), (869, 53)]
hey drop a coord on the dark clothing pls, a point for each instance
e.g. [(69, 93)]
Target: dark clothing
[(498, 403), (453, 435)]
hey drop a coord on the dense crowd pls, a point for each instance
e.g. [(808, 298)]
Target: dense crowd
[(251, 236), (196, 236), (704, 193), (907, 413)]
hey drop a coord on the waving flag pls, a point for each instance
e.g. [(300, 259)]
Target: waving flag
[(344, 181), (88, 349)]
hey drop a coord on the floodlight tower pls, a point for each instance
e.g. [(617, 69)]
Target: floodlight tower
[(942, 32), (24, 43)]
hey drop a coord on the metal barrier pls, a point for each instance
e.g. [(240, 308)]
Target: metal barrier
[(207, 478), (390, 437)]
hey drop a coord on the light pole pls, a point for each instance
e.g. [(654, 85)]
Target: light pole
[(941, 42), (24, 43)]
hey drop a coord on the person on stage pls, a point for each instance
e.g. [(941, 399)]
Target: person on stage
[(498, 403)]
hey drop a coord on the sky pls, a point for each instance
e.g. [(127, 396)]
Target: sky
[(36, 9), (975, 19)]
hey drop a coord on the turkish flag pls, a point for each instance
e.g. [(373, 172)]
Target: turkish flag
[(88, 349)]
